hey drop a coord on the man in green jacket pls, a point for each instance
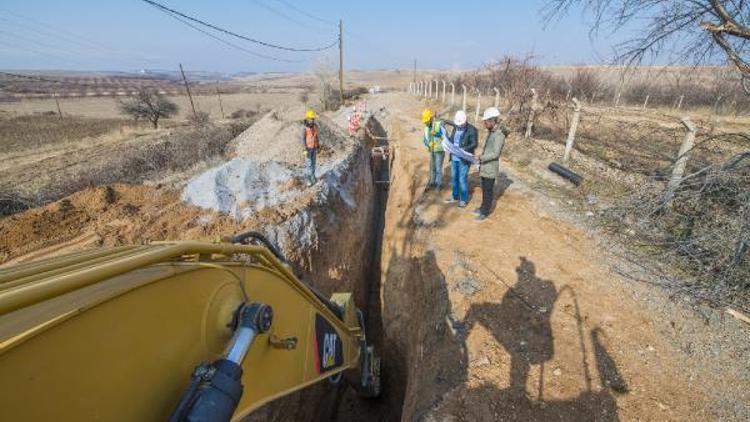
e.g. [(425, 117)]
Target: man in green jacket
[(490, 160), (433, 141)]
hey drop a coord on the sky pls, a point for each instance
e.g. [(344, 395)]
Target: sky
[(130, 35)]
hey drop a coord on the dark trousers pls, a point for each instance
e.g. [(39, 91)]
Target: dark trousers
[(488, 192)]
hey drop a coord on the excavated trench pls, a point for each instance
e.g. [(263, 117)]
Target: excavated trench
[(336, 244)]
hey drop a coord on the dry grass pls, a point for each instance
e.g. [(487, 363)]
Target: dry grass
[(134, 160), (33, 131)]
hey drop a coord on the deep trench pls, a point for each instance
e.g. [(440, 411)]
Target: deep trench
[(389, 405)]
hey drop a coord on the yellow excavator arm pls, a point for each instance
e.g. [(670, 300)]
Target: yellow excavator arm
[(171, 331)]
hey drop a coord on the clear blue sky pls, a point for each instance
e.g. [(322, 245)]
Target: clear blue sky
[(130, 35)]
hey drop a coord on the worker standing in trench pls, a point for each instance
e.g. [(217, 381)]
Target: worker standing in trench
[(311, 143), (489, 161)]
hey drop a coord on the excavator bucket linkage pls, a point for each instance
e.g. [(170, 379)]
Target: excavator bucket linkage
[(171, 330)]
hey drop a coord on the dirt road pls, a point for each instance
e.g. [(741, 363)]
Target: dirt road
[(520, 318)]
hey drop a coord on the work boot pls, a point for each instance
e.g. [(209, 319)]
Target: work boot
[(450, 200), (462, 204), (480, 217)]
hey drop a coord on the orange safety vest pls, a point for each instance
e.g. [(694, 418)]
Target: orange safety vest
[(311, 137)]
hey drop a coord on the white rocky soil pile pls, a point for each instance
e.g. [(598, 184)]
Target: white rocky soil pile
[(268, 167)]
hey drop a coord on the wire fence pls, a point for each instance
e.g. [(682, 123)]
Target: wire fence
[(688, 206)]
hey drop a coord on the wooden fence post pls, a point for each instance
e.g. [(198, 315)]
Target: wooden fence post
[(645, 102), (716, 104), (682, 158), (573, 128), (532, 109), (679, 102), (497, 97)]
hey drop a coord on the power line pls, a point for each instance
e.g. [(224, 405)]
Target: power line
[(78, 39), (234, 34), (302, 12), (229, 43), (310, 25)]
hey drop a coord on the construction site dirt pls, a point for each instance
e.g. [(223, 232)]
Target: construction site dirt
[(517, 318)]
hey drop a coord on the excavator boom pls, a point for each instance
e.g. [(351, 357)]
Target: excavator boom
[(166, 331)]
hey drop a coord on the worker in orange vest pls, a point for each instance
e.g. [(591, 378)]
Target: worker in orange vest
[(311, 144)]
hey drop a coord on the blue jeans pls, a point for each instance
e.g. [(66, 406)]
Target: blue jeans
[(436, 169), (459, 179), (310, 164)]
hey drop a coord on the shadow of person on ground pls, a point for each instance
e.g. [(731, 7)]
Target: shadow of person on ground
[(424, 352), (521, 324)]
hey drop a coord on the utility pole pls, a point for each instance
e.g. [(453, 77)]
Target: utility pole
[(221, 106), (59, 112), (187, 88), (341, 60)]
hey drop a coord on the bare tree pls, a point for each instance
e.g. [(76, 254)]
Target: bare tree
[(148, 104), (328, 93), (696, 30)]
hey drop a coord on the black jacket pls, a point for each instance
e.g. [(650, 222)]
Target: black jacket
[(468, 141)]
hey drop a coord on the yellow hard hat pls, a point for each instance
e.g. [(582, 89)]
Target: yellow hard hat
[(426, 115), (310, 115)]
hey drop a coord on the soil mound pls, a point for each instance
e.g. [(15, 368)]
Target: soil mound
[(268, 167)]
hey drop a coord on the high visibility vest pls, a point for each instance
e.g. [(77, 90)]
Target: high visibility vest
[(432, 143), (311, 137)]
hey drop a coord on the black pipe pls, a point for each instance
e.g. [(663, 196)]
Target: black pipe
[(566, 173)]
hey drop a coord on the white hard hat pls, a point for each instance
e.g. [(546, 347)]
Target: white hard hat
[(460, 118), (490, 112)]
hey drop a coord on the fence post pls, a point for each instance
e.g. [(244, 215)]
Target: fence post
[(463, 102), (479, 105), (573, 128), (453, 94), (682, 158), (443, 91), (645, 102), (497, 97), (679, 102), (425, 89), (437, 89), (716, 104), (532, 109), (617, 99), (429, 89)]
